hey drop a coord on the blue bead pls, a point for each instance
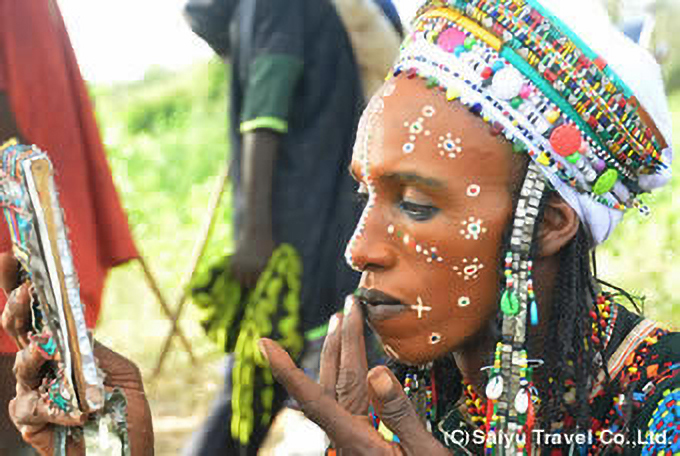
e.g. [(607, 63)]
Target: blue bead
[(498, 66), (534, 313), (459, 50)]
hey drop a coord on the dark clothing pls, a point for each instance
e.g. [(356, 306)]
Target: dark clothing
[(294, 72), (643, 362), (392, 14)]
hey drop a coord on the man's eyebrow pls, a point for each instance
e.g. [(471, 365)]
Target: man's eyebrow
[(414, 178)]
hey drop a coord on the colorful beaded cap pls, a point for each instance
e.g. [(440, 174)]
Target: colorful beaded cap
[(527, 74)]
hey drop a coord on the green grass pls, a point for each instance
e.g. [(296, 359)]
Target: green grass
[(166, 142)]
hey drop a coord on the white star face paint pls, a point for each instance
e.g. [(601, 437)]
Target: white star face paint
[(449, 147), (469, 269), (472, 228)]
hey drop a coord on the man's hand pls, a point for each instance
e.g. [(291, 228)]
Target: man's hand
[(339, 404), (250, 259), (30, 410)]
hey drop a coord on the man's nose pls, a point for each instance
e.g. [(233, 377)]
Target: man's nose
[(371, 247)]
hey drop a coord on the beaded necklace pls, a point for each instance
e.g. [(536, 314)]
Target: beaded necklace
[(476, 412)]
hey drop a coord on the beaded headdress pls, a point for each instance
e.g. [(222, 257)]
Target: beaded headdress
[(598, 141), (595, 131)]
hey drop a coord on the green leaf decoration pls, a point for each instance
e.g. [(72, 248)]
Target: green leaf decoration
[(510, 303)]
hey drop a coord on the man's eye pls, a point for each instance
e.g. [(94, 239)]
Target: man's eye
[(418, 212)]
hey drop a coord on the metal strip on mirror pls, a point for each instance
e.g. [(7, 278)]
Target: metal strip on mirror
[(49, 259)]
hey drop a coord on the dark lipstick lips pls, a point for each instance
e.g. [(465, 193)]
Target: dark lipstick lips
[(379, 306)]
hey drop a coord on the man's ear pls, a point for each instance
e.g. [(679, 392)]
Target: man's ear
[(560, 225)]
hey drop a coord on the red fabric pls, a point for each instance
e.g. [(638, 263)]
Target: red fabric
[(52, 110)]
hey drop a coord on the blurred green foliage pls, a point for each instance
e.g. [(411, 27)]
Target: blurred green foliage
[(166, 140)]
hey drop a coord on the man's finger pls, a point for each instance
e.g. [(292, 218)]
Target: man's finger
[(27, 367), (396, 411), (351, 383), (9, 271), (340, 426), (17, 315), (330, 356), (30, 409)]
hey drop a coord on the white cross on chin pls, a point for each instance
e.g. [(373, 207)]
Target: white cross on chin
[(420, 308)]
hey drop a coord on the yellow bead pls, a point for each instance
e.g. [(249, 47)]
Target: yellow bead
[(452, 93), (543, 159), (552, 116)]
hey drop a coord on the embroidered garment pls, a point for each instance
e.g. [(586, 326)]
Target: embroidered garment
[(638, 407)]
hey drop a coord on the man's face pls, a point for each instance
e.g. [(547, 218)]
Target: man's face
[(438, 189)]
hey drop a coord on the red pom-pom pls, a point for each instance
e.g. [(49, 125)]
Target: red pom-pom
[(566, 140)]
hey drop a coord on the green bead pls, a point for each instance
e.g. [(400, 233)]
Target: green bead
[(516, 102), (432, 83), (574, 158), (510, 303), (469, 43), (605, 182), (519, 147)]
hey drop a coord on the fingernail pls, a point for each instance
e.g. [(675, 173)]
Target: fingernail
[(349, 301), (263, 350), (382, 384), (333, 324)]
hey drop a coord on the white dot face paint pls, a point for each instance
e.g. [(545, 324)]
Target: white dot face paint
[(464, 301), (473, 190), (429, 111), (429, 253), (469, 269), (449, 147), (472, 228), (370, 134), (416, 128)]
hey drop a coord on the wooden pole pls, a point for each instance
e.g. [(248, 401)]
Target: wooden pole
[(197, 256)]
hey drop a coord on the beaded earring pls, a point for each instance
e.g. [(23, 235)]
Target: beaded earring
[(510, 408)]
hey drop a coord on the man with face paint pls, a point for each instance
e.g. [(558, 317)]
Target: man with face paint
[(507, 144), (295, 100)]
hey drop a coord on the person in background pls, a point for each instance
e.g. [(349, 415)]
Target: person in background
[(295, 100), (44, 101)]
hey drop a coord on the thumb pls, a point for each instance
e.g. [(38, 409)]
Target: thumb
[(395, 410)]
